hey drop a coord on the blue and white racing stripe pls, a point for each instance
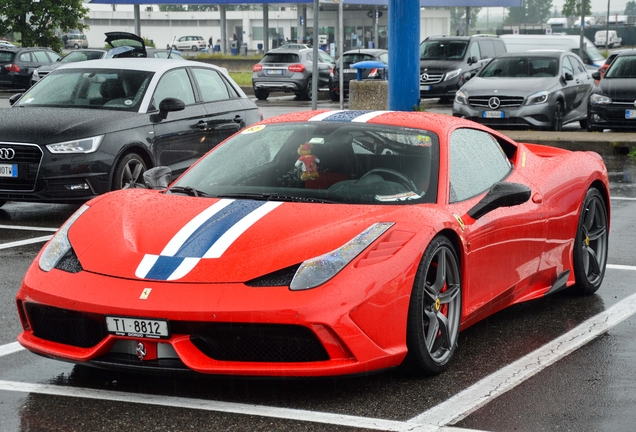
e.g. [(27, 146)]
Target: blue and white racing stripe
[(347, 116), (208, 235)]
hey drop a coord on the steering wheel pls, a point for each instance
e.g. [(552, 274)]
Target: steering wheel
[(392, 175)]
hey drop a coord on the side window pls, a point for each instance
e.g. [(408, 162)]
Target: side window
[(176, 84), (53, 56), (476, 163), (500, 47), (211, 84), (41, 57), (487, 49), (567, 67), (577, 65), (325, 58), (384, 57), (310, 57), (474, 50), (25, 57)]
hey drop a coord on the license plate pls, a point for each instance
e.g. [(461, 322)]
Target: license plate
[(137, 327), (630, 114), (425, 88), (8, 170), (492, 114), (274, 72), (350, 71)]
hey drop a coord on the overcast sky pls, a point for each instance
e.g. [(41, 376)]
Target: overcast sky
[(598, 6)]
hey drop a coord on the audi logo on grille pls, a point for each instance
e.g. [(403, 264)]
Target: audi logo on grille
[(6, 153), (494, 102)]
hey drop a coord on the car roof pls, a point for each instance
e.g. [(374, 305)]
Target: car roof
[(626, 52), (366, 51), (139, 63), (534, 53)]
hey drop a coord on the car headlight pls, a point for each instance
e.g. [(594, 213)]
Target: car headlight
[(452, 74), (538, 98), (461, 98), (59, 244), (599, 99), (85, 145), (317, 271)]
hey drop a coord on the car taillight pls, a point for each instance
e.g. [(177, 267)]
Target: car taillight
[(257, 67), (12, 67), (296, 67), (373, 73), (331, 74)]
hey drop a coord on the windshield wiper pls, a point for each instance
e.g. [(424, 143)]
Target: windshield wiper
[(188, 190), (275, 197)]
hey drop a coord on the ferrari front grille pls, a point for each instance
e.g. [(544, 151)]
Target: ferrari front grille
[(65, 326), (270, 343)]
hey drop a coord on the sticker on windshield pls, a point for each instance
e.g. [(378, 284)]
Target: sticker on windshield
[(29, 100), (405, 196), (253, 129), (424, 140), (128, 102)]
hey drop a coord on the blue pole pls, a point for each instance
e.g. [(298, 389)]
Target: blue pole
[(404, 54)]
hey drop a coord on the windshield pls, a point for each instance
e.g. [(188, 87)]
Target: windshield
[(622, 67), (77, 56), (443, 49), (591, 52), (337, 162), (115, 89), (521, 67)]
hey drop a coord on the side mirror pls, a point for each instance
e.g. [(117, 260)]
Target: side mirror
[(168, 105), (500, 195), (596, 75), (13, 99), (473, 60), (157, 177), (568, 76)]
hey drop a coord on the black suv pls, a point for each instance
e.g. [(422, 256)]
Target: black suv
[(447, 62), (17, 64)]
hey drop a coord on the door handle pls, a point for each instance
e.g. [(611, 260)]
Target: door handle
[(202, 125), (238, 119)]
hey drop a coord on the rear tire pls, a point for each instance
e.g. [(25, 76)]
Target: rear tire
[(435, 310), (335, 96), (129, 172), (306, 94), (591, 243), (261, 94), (195, 48)]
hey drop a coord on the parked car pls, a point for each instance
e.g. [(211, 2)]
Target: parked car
[(349, 58), (289, 70), (610, 58), (194, 43), (73, 56), (591, 56), (75, 40), (17, 65), (613, 40), (540, 90), (94, 126), (611, 104), (447, 62), (389, 234), (124, 44), (293, 45), (6, 43)]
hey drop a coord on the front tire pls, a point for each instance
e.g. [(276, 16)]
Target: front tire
[(306, 94), (557, 123), (434, 310), (195, 48), (335, 96), (129, 172), (591, 243)]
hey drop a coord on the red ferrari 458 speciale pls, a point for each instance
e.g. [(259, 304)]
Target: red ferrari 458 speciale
[(319, 243)]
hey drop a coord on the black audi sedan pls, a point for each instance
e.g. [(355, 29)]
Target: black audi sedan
[(612, 104), (95, 126)]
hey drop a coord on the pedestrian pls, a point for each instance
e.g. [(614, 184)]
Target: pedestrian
[(210, 41)]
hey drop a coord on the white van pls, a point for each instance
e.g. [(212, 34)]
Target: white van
[(613, 39), (591, 56)]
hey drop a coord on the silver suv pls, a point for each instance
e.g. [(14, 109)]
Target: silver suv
[(289, 70)]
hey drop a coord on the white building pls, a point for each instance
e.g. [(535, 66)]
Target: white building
[(283, 22)]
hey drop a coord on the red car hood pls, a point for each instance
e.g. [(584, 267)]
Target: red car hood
[(141, 234)]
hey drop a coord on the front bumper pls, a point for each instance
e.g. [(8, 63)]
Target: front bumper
[(524, 116), (348, 326), (612, 116)]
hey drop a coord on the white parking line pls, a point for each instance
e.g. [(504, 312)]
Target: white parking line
[(25, 242), (27, 228), (437, 419), (623, 198)]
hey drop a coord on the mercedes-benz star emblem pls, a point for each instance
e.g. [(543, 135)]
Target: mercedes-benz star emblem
[(494, 102), (6, 153)]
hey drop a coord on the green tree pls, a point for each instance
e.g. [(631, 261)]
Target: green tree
[(35, 22), (532, 12), (630, 8), (458, 17), (572, 8)]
